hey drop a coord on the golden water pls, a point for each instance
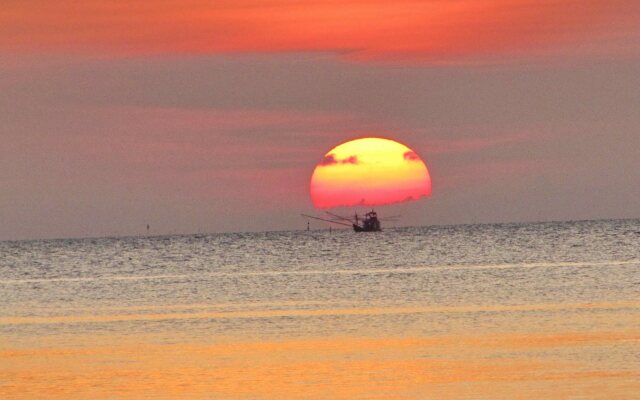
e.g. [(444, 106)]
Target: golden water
[(537, 311)]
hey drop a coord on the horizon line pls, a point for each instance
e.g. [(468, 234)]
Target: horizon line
[(164, 235)]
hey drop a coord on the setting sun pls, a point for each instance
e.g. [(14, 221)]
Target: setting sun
[(369, 171)]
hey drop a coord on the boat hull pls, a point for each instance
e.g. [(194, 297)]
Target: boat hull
[(359, 228)]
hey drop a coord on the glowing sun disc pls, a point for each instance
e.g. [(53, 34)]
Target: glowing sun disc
[(369, 172)]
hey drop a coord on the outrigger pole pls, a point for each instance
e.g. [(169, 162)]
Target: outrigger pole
[(327, 220), (339, 216)]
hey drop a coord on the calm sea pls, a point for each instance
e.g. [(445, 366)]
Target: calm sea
[(505, 311)]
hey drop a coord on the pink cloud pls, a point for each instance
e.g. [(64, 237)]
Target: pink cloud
[(487, 172), (350, 160), (330, 159), (435, 146), (411, 156), (165, 142)]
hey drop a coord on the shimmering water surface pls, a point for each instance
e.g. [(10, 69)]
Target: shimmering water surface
[(546, 310)]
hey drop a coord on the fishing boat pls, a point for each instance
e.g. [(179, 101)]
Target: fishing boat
[(369, 223)]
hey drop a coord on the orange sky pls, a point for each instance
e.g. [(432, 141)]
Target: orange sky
[(211, 115), (440, 30)]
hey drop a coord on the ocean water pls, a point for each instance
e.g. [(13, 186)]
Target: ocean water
[(541, 310)]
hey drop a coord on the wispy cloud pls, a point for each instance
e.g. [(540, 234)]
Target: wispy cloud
[(434, 31), (492, 172), (330, 159), (439, 146), (411, 156)]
